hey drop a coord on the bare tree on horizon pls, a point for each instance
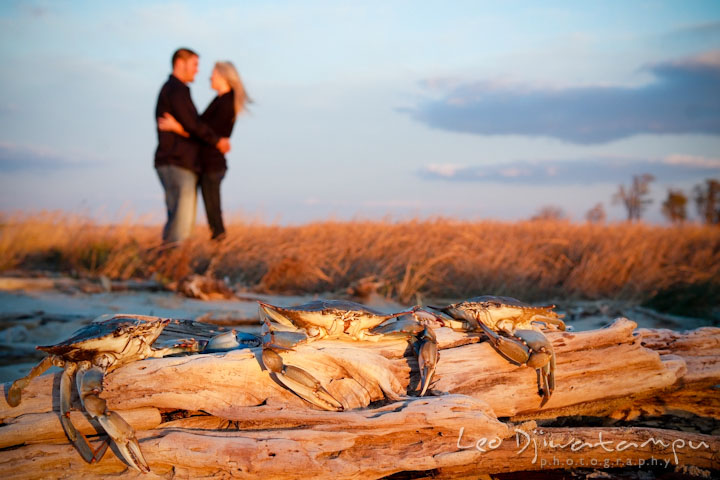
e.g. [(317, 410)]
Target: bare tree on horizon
[(635, 198), (549, 212), (596, 214), (707, 201), (674, 208)]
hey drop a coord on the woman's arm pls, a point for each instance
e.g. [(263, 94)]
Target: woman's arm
[(167, 123), (220, 115)]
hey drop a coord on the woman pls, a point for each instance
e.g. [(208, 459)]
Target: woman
[(220, 116)]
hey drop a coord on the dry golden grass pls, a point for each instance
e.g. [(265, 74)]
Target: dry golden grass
[(431, 258)]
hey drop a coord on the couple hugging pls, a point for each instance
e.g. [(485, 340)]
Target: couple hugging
[(191, 147)]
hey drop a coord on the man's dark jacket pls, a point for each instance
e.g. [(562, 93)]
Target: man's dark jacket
[(175, 149)]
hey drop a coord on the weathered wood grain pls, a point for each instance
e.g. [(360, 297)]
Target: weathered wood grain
[(244, 424)]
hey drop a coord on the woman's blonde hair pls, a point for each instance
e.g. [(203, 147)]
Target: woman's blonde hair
[(228, 72)]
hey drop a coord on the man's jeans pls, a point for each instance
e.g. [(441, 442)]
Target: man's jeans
[(180, 187)]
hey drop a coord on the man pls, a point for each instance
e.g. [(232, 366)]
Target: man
[(176, 156)]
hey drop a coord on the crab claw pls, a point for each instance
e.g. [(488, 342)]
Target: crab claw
[(300, 382), (231, 340), (542, 359), (124, 437), (272, 312), (89, 383), (427, 353), (222, 342), (403, 326), (281, 337), (528, 348)]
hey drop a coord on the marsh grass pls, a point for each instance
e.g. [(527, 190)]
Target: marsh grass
[(439, 258)]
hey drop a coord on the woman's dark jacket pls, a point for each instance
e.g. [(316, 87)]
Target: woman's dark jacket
[(220, 116)]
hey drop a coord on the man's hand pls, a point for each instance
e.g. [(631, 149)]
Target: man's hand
[(223, 145)]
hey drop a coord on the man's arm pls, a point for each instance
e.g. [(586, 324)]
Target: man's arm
[(185, 113)]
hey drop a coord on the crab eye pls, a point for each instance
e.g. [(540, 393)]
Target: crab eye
[(313, 331)]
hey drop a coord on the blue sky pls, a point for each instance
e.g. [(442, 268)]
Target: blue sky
[(476, 110)]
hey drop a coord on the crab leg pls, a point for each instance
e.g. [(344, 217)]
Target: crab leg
[(467, 324), (15, 392), (88, 454), (528, 348), (425, 344), (89, 383), (183, 346), (547, 320), (300, 382), (471, 322)]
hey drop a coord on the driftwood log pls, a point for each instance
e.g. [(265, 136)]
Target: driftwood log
[(221, 415)]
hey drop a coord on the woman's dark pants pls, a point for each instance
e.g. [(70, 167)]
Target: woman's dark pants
[(210, 186)]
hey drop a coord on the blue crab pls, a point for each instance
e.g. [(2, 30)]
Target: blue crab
[(90, 353), (286, 327), (512, 328)]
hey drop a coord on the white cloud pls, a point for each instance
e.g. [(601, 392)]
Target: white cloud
[(444, 169), (515, 172), (14, 158), (692, 161), (581, 171)]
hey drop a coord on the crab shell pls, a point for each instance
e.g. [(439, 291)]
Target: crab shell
[(502, 314), (329, 318), (112, 343)]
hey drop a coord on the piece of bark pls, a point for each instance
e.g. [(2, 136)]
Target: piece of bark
[(46, 427), (397, 437), (702, 402), (695, 391), (700, 349), (447, 437)]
